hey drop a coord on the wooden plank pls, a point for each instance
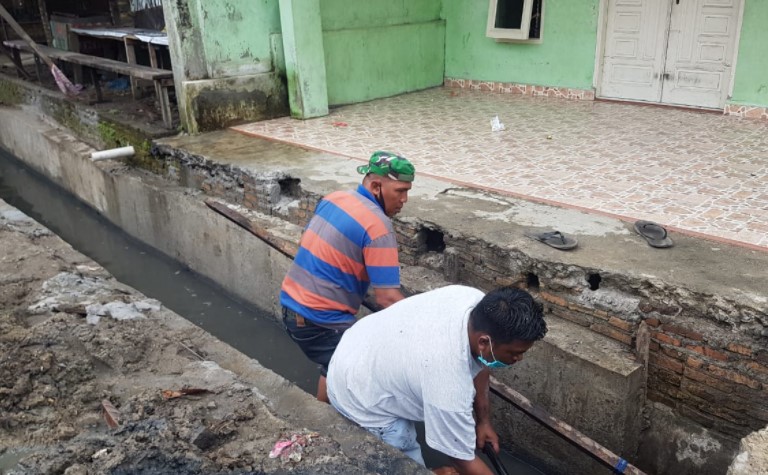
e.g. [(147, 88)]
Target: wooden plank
[(135, 70), (564, 430), (287, 248)]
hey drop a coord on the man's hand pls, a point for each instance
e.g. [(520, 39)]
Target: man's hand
[(485, 433), (386, 297), (447, 470)]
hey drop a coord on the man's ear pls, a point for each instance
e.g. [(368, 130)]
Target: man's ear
[(483, 341)]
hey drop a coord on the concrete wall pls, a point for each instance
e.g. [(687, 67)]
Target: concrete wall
[(751, 83), (564, 58), (223, 69)]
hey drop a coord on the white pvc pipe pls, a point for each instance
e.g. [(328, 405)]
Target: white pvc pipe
[(113, 153)]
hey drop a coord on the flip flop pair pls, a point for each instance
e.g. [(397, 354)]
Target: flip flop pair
[(654, 233), (555, 239)]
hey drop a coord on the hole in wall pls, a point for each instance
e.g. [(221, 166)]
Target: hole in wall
[(532, 281), (434, 240), (290, 187), (594, 281)]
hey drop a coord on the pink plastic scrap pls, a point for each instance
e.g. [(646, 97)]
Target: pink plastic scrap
[(291, 447)]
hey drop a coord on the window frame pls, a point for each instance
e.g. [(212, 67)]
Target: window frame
[(516, 35)]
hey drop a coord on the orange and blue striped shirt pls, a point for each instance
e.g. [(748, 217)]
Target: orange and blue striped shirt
[(348, 245)]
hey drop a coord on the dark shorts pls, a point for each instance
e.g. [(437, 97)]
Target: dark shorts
[(317, 342)]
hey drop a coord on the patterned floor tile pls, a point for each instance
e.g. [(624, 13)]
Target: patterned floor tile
[(696, 171)]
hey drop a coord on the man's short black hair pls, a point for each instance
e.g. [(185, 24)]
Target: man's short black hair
[(509, 314)]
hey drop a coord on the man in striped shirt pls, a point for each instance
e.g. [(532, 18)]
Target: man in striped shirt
[(348, 245)]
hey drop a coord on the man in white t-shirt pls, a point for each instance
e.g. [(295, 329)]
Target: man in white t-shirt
[(426, 358)]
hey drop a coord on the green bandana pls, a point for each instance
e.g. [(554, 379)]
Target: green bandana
[(389, 165)]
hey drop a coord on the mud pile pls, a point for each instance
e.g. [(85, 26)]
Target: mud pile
[(96, 378)]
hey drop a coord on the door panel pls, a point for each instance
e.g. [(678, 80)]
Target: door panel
[(670, 51), (702, 38), (635, 42)]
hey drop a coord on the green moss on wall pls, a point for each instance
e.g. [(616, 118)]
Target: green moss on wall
[(10, 93), (114, 135)]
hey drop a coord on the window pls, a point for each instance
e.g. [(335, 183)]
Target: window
[(514, 20)]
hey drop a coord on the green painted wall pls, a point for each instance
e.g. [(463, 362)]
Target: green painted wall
[(346, 14), (380, 48), (235, 35), (370, 63), (751, 82), (564, 58)]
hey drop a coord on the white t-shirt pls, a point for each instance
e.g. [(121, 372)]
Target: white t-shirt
[(412, 361)]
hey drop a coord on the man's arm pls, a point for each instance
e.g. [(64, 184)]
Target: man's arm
[(482, 406), (387, 296)]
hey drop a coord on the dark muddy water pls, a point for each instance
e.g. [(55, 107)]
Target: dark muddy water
[(199, 300)]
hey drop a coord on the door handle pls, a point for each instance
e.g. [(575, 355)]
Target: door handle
[(666, 75), (677, 2)]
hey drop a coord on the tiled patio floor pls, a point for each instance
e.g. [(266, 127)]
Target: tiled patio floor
[(698, 172)]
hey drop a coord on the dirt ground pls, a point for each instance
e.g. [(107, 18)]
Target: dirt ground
[(83, 366)]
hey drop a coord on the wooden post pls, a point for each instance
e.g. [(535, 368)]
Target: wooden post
[(73, 44), (45, 19), (130, 57), (95, 79)]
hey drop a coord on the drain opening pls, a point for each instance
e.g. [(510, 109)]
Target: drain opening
[(594, 281), (532, 281), (290, 187), (434, 241)]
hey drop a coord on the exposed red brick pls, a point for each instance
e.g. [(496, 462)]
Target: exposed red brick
[(575, 317), (666, 339), (697, 348), (553, 299), (758, 368), (704, 419), (704, 378), (661, 397), (621, 324), (714, 354), (673, 353), (653, 322), (694, 362), (711, 394), (740, 349), (684, 332), (654, 346), (600, 314), (667, 363), (668, 377), (611, 332), (737, 378)]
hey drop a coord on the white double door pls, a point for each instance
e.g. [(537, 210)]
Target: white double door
[(670, 51)]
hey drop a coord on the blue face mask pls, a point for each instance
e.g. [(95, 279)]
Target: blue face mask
[(495, 364)]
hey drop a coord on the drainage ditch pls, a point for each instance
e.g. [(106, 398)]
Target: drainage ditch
[(247, 328)]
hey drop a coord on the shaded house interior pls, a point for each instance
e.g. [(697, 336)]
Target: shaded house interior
[(99, 28)]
